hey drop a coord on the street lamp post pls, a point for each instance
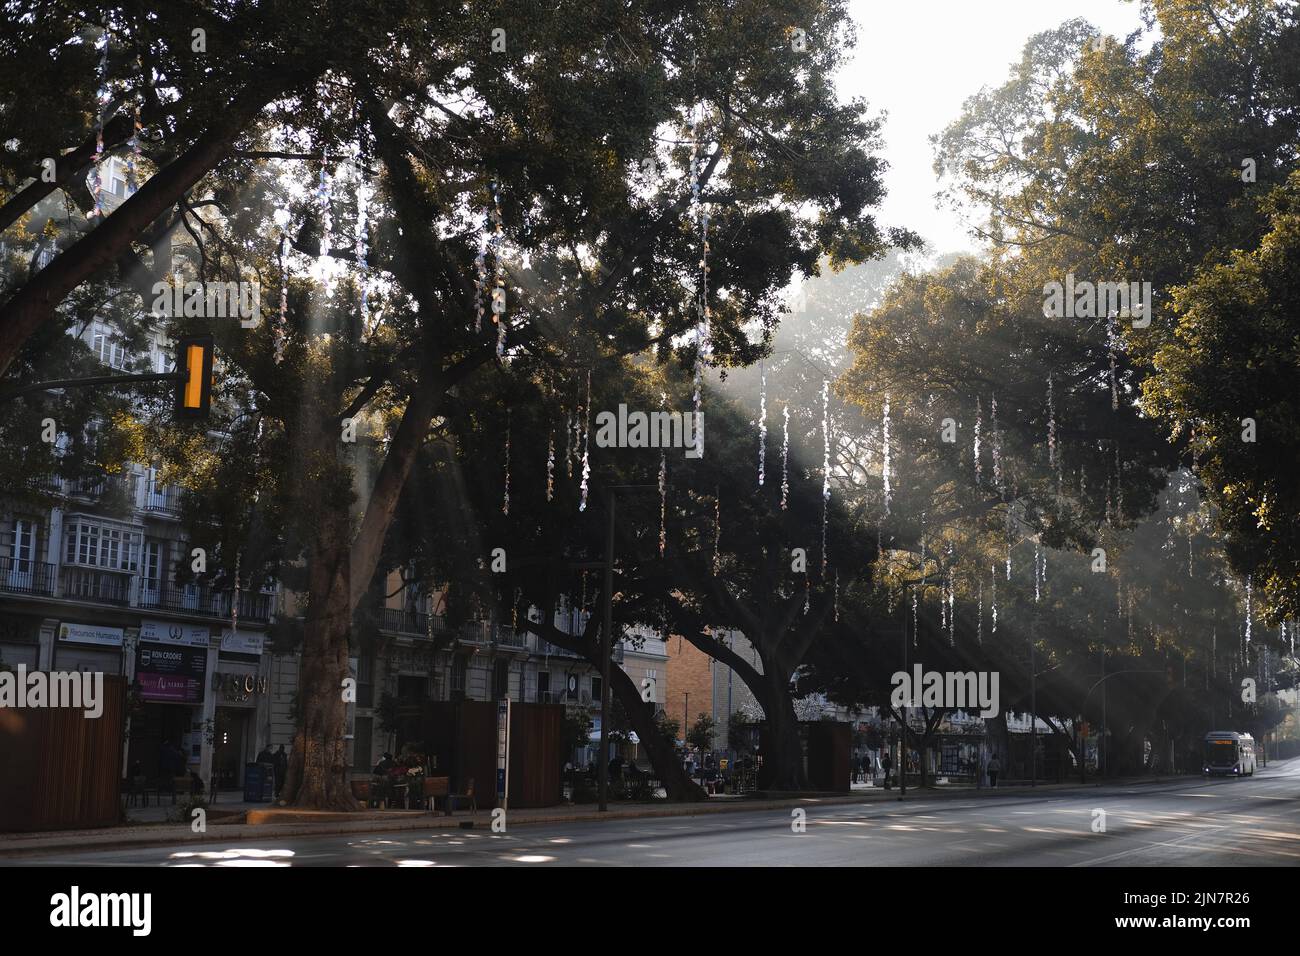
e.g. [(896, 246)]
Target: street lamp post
[(1033, 715), (1084, 709), (606, 651)]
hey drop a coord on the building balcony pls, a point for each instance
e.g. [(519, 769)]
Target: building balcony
[(100, 486), (95, 584), (254, 606), (23, 576), (162, 501), (546, 648), (416, 623)]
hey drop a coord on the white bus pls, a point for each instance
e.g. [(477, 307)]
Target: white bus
[(1229, 754)]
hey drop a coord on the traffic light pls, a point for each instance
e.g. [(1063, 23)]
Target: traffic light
[(194, 386)]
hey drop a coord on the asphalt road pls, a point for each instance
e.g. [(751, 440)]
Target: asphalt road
[(1220, 822)]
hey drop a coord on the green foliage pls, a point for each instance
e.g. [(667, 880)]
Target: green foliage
[(701, 733)]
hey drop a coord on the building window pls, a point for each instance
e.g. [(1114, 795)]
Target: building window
[(366, 681), (100, 546), (543, 687), (412, 689), (595, 690), (458, 679), (24, 545), (363, 731), (500, 680), (110, 349)]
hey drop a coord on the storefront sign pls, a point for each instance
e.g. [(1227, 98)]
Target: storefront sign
[(163, 632), (242, 642), (170, 673), (91, 634), (238, 688)]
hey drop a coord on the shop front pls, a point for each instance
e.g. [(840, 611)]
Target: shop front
[(88, 647), (239, 687), (20, 641), (171, 664)]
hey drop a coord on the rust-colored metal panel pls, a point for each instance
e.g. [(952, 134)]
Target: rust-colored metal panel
[(62, 770), (535, 760), (464, 736), (829, 748)]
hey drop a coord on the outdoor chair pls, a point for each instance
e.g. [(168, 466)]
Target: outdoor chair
[(453, 798)]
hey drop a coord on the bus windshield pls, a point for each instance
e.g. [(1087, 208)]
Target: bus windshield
[(1221, 753)]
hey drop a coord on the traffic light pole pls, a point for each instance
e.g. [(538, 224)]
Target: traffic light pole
[(108, 380)]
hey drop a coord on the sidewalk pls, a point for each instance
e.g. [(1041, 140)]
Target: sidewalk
[(263, 825)]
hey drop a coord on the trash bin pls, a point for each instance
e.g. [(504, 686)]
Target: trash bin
[(259, 783)]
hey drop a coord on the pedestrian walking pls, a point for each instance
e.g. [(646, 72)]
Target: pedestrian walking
[(995, 765), (886, 764), (281, 763)]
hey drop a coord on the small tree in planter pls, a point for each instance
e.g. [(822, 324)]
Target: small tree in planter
[(701, 734)]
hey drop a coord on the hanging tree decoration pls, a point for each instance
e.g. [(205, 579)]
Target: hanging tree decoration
[(280, 330), (993, 574), (785, 456), (717, 530), (480, 277), (1051, 425), (952, 597), (826, 467), (952, 609), (1119, 487), (505, 503), (1009, 536), (234, 603), (762, 423), (323, 202), (836, 613), (103, 98), (550, 464), (979, 421), (996, 442), (807, 591), (979, 615), (915, 619), (702, 297), (663, 487), (1037, 553), (499, 273), (1111, 340), (584, 414), (568, 442), (884, 441), (133, 157), (362, 239), (1249, 614)]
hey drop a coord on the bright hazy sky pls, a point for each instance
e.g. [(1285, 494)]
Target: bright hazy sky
[(919, 59)]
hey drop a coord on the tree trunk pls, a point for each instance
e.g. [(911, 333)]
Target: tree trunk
[(663, 757), (784, 759), (317, 777)]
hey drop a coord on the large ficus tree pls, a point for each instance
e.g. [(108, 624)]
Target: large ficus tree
[(600, 131)]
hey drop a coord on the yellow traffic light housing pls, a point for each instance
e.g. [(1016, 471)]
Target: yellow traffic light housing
[(194, 376)]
